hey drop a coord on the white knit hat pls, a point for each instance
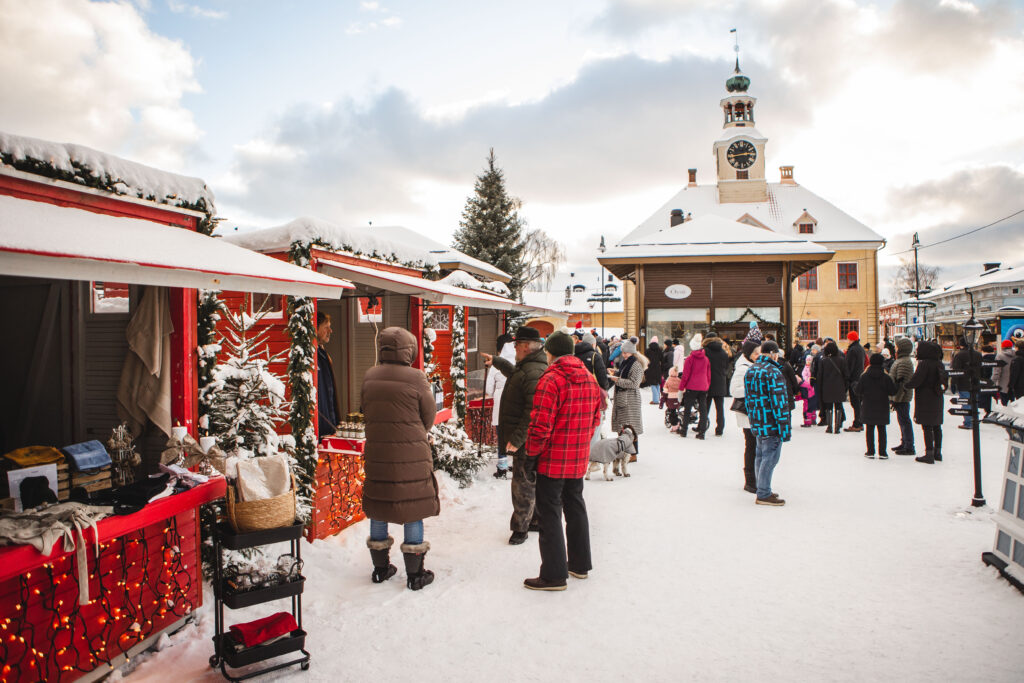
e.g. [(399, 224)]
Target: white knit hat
[(696, 341)]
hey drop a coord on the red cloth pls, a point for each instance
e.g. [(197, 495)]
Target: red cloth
[(696, 373), (260, 631), (566, 409)]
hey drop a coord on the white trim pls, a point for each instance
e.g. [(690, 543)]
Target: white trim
[(856, 264)]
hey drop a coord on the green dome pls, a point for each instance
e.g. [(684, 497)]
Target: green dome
[(737, 83)]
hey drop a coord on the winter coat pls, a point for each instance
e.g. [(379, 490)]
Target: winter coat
[(399, 408), (766, 399), (496, 381), (602, 348), (718, 356), (855, 362), (833, 379), (929, 385), (1016, 384), (593, 362), (671, 385), (652, 375), (327, 408), (796, 356), (696, 374), (667, 358), (566, 409), (807, 390), (874, 389), (1001, 374), (517, 397), (961, 362), (626, 403), (902, 370), (792, 381), (678, 356), (736, 389)]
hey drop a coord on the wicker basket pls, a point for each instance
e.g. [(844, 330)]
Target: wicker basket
[(259, 515)]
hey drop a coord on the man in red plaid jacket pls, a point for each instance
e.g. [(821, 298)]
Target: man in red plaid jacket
[(566, 410)]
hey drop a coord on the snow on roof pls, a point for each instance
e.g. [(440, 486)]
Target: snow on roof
[(460, 278), (555, 301), (366, 242), (1011, 415), (740, 131), (994, 276), (86, 166), (785, 204), (711, 235), (444, 254)]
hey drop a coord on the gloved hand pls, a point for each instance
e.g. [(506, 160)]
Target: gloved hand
[(530, 468)]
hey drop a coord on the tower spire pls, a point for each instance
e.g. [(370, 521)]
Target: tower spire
[(736, 48), (738, 83)]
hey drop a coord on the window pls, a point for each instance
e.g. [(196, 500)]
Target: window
[(807, 329), (370, 309), (808, 281), (440, 319), (742, 175), (847, 275), (807, 228), (472, 336), (109, 297), (848, 326), (272, 305)]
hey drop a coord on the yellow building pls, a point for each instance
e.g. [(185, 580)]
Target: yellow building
[(830, 300)]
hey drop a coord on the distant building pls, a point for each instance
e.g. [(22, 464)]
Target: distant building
[(596, 309), (998, 295)]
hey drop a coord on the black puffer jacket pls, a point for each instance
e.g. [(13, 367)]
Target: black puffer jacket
[(594, 362), (875, 388), (652, 375), (718, 356), (667, 359), (929, 385), (833, 379), (961, 362), (517, 396), (854, 362)]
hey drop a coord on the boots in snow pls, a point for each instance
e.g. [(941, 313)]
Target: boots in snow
[(416, 576), (380, 554), (927, 458), (938, 446)]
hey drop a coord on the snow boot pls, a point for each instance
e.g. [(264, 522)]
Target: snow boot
[(928, 458), (380, 554), (938, 446), (416, 576), (503, 468)]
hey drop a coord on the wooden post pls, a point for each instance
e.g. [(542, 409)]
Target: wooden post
[(641, 312), (184, 382), (416, 327)]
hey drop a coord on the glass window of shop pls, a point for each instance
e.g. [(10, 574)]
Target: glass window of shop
[(677, 323), (769, 313)]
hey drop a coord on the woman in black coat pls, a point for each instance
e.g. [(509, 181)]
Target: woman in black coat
[(929, 385), (652, 376), (718, 357), (667, 358), (833, 381), (875, 388)]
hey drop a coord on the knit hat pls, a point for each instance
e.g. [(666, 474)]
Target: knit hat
[(769, 347), (628, 347), (695, 341), (853, 336), (753, 324), (1007, 344), (559, 344), (589, 339), (654, 339), (754, 335), (876, 359), (748, 348)]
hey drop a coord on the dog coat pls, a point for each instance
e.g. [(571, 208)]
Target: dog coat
[(606, 451)]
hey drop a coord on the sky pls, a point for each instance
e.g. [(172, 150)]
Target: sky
[(907, 114)]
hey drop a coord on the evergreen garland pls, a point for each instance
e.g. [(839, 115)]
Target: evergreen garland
[(458, 368), (208, 310), (302, 330), (491, 228)]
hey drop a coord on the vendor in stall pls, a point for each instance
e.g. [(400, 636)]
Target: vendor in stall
[(326, 390)]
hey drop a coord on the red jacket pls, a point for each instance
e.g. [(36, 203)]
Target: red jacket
[(696, 372), (566, 409)]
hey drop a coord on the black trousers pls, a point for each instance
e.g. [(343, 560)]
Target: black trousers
[(554, 496), (932, 439), (855, 404), (699, 399), (869, 436), (749, 453), (719, 413)]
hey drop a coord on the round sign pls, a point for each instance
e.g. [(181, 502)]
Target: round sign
[(678, 291)]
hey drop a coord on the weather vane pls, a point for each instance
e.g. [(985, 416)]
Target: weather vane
[(736, 47)]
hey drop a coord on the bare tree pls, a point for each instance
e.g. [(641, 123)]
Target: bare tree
[(904, 280), (542, 257)]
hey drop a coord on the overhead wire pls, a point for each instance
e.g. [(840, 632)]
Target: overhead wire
[(965, 234)]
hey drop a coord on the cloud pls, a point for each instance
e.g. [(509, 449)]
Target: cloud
[(93, 73), (195, 11), (388, 19)]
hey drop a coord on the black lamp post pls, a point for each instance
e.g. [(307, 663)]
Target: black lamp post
[(972, 328)]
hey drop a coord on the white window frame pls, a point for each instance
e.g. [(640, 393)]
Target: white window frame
[(472, 333), (856, 266), (269, 315), (839, 326)]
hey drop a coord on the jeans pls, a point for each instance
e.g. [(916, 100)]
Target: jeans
[(656, 393), (553, 497), (966, 395), (906, 426), (769, 448), (413, 532)]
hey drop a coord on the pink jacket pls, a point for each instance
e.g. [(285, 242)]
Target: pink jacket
[(671, 385), (696, 373)]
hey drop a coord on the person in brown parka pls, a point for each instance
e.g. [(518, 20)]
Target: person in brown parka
[(400, 487)]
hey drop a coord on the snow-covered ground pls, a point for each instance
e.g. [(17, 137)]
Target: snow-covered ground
[(871, 571)]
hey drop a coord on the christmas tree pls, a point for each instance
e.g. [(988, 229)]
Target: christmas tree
[(491, 229)]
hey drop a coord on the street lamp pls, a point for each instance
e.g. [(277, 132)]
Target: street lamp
[(972, 328)]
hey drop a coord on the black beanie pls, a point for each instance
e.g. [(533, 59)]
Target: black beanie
[(769, 347), (876, 359), (559, 344)]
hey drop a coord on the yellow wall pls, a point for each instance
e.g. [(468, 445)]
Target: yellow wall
[(829, 304)]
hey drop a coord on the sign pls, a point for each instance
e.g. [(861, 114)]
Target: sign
[(992, 363), (955, 373), (678, 291), (959, 411)]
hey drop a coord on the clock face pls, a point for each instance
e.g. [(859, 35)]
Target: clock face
[(741, 154)]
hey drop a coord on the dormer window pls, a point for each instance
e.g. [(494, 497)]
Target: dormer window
[(807, 228), (806, 224)]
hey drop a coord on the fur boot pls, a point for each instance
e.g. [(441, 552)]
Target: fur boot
[(416, 576), (380, 552)]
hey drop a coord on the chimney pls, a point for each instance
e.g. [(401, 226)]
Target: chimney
[(676, 218), (787, 175), (693, 177), (992, 266)]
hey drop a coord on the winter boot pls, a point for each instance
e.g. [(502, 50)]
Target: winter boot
[(380, 554), (503, 468), (416, 576), (927, 458)]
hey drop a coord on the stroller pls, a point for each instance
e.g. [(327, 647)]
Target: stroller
[(673, 413)]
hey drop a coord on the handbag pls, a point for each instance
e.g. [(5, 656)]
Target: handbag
[(739, 405)]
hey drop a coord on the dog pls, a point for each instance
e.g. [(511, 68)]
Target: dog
[(614, 453)]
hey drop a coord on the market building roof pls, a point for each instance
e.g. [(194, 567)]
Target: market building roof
[(447, 257), (992, 276)]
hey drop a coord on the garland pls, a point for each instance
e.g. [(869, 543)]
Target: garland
[(458, 368), (737, 321), (428, 270), (302, 330)]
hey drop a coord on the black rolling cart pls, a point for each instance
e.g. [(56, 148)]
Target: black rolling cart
[(225, 654)]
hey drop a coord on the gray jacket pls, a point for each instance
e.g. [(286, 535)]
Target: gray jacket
[(1001, 375)]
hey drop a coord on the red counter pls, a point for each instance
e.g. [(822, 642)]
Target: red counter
[(147, 577)]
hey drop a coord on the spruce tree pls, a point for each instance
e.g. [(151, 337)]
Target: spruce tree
[(491, 228)]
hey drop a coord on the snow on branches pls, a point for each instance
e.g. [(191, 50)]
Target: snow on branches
[(458, 367), (455, 453)]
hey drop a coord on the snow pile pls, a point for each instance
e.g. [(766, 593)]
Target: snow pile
[(356, 241), (1011, 415), (86, 166), (460, 278)]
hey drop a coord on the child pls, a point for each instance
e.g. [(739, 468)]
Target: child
[(669, 399), (875, 388), (807, 394)]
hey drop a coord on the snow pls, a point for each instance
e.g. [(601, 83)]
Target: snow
[(1003, 275), (445, 255), (127, 177), (460, 278), (872, 571)]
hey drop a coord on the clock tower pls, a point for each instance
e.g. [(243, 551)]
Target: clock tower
[(739, 150)]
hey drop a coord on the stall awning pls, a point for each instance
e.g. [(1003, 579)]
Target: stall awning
[(47, 241), (435, 292)]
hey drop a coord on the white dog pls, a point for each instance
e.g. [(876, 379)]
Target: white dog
[(613, 453)]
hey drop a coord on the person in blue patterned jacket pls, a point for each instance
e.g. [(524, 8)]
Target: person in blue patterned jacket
[(767, 404)]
